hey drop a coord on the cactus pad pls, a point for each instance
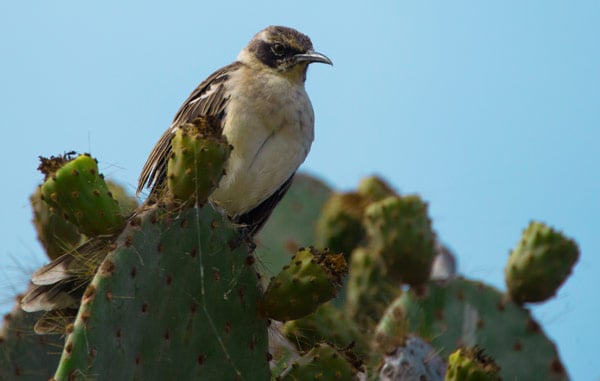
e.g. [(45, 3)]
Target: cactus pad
[(78, 193), (175, 300), (312, 278), (467, 313), (539, 264), (196, 165), (400, 230)]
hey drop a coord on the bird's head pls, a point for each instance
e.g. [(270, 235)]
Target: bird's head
[(282, 49)]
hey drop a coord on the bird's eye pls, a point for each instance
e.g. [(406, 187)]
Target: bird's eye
[(278, 49)]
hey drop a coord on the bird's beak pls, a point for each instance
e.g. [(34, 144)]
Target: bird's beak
[(311, 57)]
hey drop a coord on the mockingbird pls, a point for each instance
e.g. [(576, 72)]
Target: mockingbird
[(265, 114)]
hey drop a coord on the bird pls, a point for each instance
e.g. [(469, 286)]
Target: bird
[(264, 112), (261, 106)]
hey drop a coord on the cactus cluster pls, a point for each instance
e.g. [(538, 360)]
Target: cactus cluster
[(176, 291)]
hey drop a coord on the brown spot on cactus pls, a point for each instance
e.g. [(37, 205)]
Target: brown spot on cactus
[(557, 368), (88, 294), (107, 268)]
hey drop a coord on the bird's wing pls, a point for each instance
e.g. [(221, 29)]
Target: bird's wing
[(255, 219), (208, 99)]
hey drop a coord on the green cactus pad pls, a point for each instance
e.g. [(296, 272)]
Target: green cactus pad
[(25, 356), (292, 224), (472, 364), (326, 324), (78, 193), (400, 230), (540, 263), (176, 300), (197, 162), (374, 188), (460, 313), (321, 363), (56, 235), (312, 278), (340, 227), (368, 290)]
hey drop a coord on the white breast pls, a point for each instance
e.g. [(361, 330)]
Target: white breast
[(271, 127)]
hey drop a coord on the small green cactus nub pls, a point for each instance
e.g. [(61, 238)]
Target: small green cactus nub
[(400, 231), (374, 188), (540, 263), (197, 161), (75, 190), (340, 227), (312, 278), (55, 234), (472, 365)]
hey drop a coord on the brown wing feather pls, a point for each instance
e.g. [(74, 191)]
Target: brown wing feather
[(208, 99)]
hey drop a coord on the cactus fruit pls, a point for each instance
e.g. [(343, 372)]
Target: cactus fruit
[(292, 224), (368, 290), (326, 324), (323, 362), (459, 313), (399, 230), (312, 278), (472, 364), (175, 300), (76, 191), (415, 360), (340, 227), (374, 188), (539, 264), (197, 161)]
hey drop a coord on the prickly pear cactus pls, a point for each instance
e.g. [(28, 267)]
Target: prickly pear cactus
[(399, 230), (177, 287), (467, 313), (198, 160), (327, 324), (374, 188), (25, 356), (368, 290), (76, 191), (539, 264), (472, 364), (55, 234), (323, 362), (312, 278), (340, 226), (292, 224)]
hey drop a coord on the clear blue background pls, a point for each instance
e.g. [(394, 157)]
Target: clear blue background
[(489, 110)]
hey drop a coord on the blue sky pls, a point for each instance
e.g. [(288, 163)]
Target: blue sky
[(490, 111)]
